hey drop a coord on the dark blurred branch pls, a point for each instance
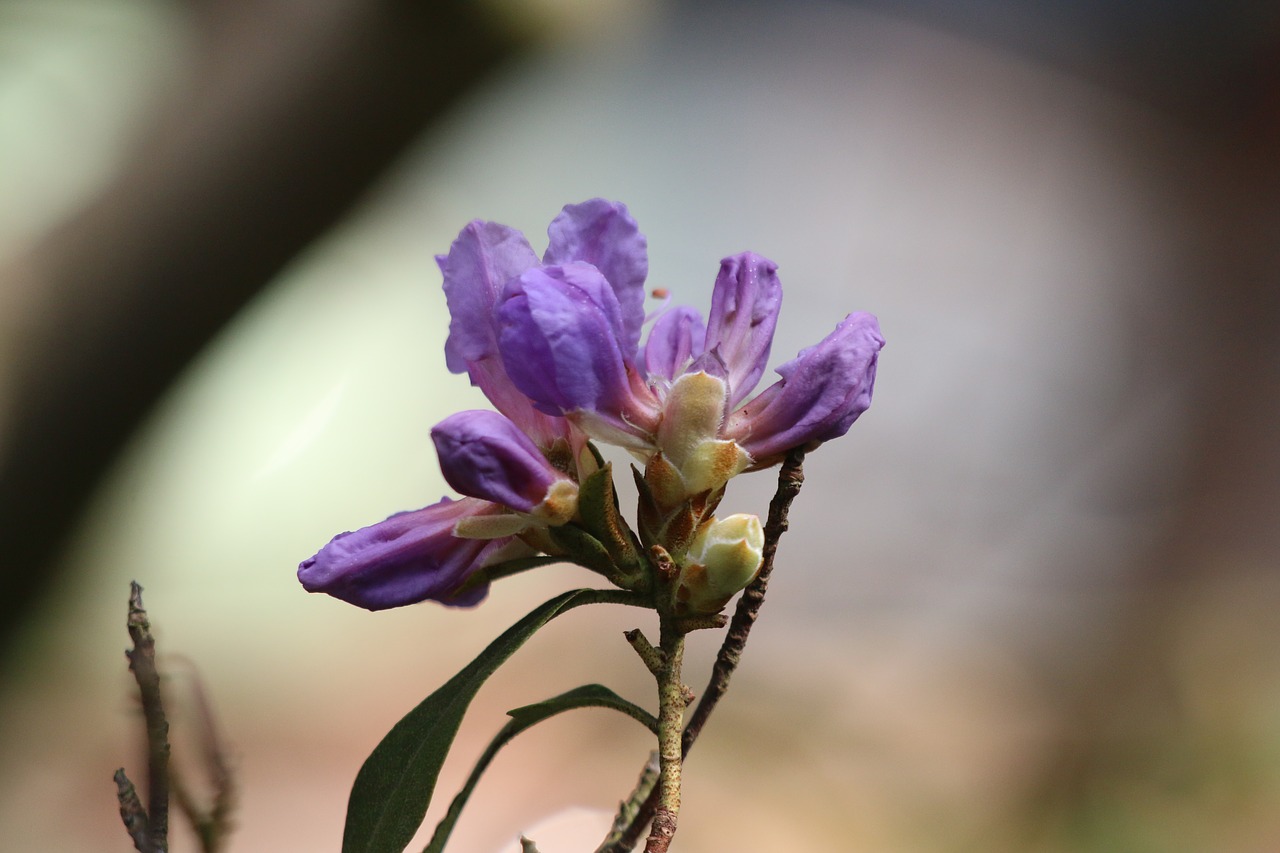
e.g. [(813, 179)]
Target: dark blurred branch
[(212, 824), (295, 110), (151, 827)]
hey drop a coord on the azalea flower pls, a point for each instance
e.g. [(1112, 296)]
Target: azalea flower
[(555, 345), (568, 338)]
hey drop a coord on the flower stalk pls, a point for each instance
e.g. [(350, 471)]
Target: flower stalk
[(671, 705), (643, 805)]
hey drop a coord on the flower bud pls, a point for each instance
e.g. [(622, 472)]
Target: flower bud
[(689, 434), (410, 557), (723, 558), (484, 455)]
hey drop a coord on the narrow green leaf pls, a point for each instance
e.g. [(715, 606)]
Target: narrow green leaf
[(394, 787), (587, 696), (507, 568), (598, 503)]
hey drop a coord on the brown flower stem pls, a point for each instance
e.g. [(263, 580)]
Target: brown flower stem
[(671, 704), (790, 478), (142, 662)]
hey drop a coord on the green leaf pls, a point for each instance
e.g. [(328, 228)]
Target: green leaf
[(393, 789), (587, 696), (598, 503), (507, 568)]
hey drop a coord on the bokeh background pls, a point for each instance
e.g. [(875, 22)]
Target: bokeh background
[(1028, 604)]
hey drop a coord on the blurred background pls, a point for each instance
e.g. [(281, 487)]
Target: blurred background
[(1028, 604)]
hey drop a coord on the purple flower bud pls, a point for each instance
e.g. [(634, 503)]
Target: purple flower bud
[(822, 392), (410, 557), (603, 234), (484, 455), (744, 312), (558, 331), (674, 341)]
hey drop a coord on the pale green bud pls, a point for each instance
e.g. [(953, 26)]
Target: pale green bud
[(689, 434), (723, 558)]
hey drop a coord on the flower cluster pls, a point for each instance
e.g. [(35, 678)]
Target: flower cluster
[(556, 347)]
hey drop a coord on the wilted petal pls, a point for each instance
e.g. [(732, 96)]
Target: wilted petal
[(558, 334), (603, 234), (410, 557), (744, 312), (822, 392), (485, 256), (674, 340), (484, 455)]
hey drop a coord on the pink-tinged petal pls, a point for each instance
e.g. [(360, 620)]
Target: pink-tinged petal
[(485, 257), (410, 557), (822, 392), (484, 455), (674, 341), (603, 234), (490, 376), (744, 312)]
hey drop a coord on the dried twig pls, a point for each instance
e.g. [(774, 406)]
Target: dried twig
[(142, 662)]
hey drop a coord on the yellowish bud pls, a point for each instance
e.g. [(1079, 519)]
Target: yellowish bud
[(688, 434), (560, 504), (723, 558)]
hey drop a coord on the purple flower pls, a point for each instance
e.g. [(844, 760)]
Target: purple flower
[(484, 455), (822, 392), (555, 346), (410, 557)]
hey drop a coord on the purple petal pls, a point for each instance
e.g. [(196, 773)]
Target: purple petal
[(485, 256), (822, 392), (484, 455), (410, 557), (674, 340), (744, 312), (558, 334), (603, 234)]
